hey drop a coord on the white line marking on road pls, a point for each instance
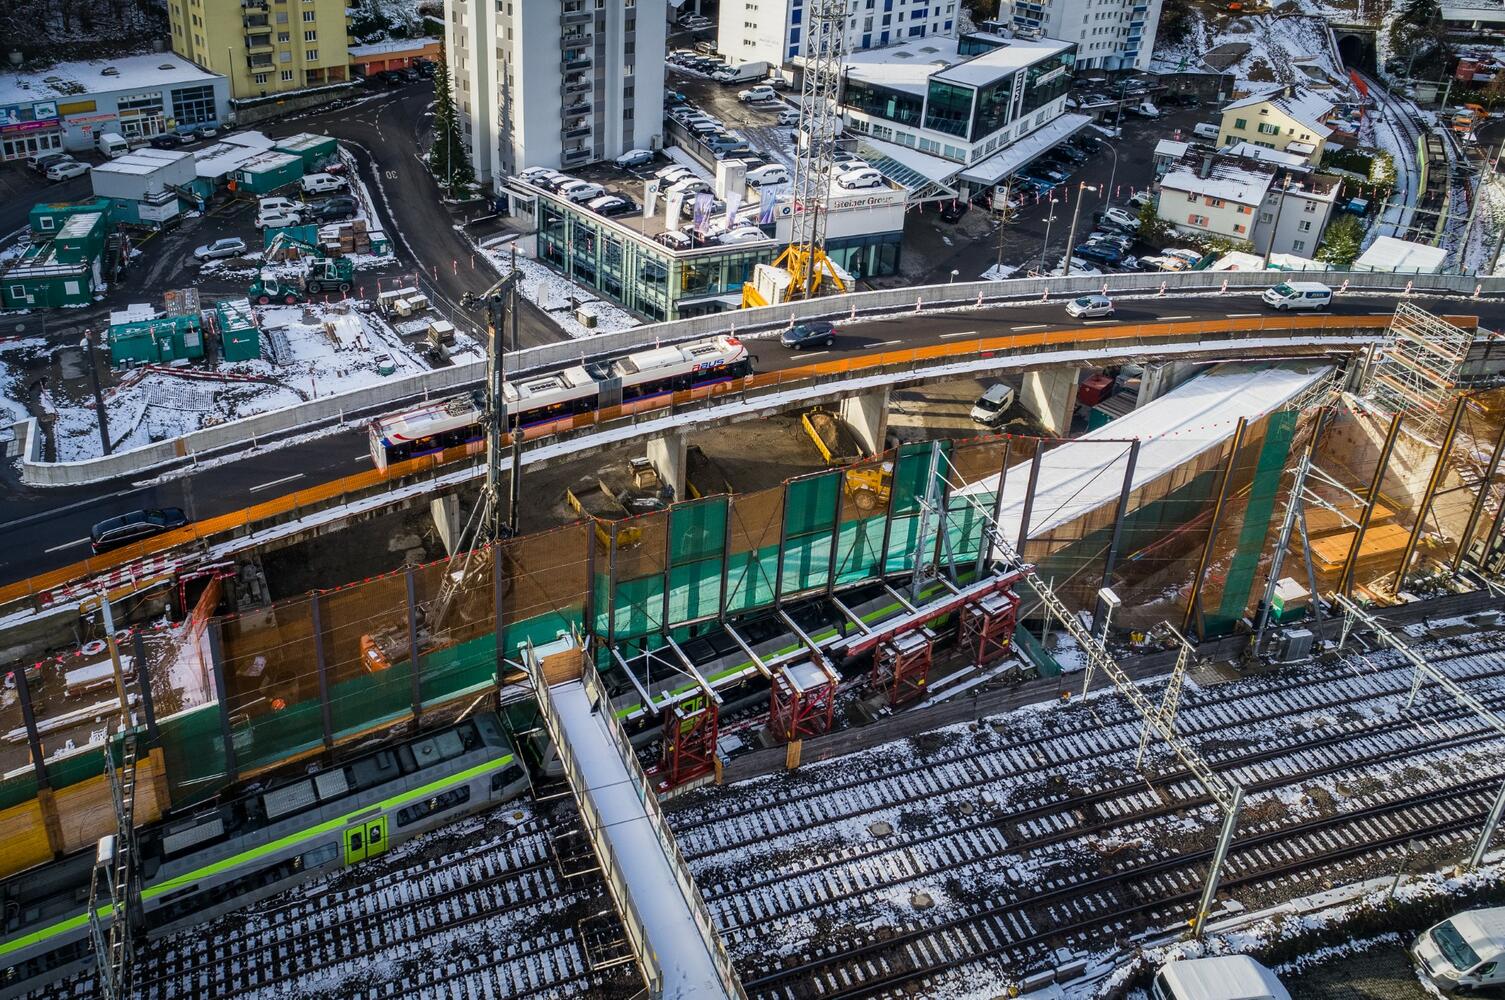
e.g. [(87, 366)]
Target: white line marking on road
[(66, 545), (1031, 326), (1244, 315), (1091, 321), (816, 354), (276, 482), (1166, 319), (886, 343), (363, 458)]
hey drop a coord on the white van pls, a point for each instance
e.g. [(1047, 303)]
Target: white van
[(1227, 977), (322, 183), (111, 144), (1466, 951), (277, 203), (742, 234), (993, 405), (1206, 130), (1298, 295)]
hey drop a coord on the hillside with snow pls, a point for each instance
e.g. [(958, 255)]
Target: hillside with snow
[(1294, 46)]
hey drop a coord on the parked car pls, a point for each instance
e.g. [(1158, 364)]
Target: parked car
[(1139, 199), (39, 162), (1192, 257), (953, 210), (815, 333), (612, 205), (208, 130), (1160, 263), (673, 175), (1098, 254), (277, 203), (1046, 173), (114, 532), (1465, 952), (339, 207), (762, 92), (581, 192), (277, 219), (1298, 295), (688, 186), (1122, 219), (230, 246), (789, 117), (866, 177), (169, 140), (635, 158), (1070, 153), (322, 183), (742, 234), (64, 170), (772, 173), (1223, 977), (1089, 306), (425, 68)]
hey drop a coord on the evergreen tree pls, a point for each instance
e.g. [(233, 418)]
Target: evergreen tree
[(447, 159), (1152, 228), (1343, 241)]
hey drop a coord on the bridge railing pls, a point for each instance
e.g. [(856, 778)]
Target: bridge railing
[(391, 393)]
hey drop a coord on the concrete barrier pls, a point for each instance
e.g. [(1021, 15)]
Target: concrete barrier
[(340, 407)]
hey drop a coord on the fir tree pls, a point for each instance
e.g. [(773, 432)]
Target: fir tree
[(1343, 241), (447, 159)]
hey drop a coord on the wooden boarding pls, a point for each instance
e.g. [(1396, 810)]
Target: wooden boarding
[(1329, 554), (1320, 521), (563, 667), (23, 838), (87, 813)]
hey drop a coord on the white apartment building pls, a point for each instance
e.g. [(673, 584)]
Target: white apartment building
[(775, 31), (1241, 199), (555, 83), (1108, 34)]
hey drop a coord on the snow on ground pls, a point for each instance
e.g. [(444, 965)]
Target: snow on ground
[(556, 294), (1259, 50), (320, 351), (12, 408)]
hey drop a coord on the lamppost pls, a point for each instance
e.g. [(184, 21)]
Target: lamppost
[(1082, 188), (954, 273), (1112, 174), (1049, 218), (1413, 847)]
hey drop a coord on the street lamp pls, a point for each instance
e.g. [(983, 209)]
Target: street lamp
[(1110, 601), (1082, 188), (1049, 218), (1414, 846), (1112, 174), (954, 273)]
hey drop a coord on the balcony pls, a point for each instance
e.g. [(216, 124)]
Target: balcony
[(578, 108), (575, 155), (259, 63), (577, 13), (253, 4), (255, 21), (259, 43), (578, 129), (575, 85), (576, 39), (575, 60)]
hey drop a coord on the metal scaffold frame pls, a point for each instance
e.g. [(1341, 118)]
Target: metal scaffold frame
[(1416, 370), (1354, 613), (1228, 796), (115, 884)]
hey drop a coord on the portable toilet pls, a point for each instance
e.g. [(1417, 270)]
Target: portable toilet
[(268, 171), (314, 150), (240, 338)]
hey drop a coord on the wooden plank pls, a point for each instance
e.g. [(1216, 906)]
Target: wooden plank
[(23, 838), (1330, 552)]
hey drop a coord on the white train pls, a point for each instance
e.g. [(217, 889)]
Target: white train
[(542, 398)]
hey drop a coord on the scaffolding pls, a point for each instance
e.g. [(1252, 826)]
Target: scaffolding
[(1417, 368), (987, 627), (690, 733), (115, 884), (802, 701), (901, 665)]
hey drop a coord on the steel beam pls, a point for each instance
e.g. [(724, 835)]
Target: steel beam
[(217, 662), (1029, 496), (144, 682), (1110, 561), (1194, 602), (413, 657), (1215, 873), (321, 664), (1350, 565), (1439, 471), (748, 651), (984, 544), (1478, 508), (29, 720)]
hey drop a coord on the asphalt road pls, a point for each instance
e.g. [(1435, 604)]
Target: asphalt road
[(45, 529)]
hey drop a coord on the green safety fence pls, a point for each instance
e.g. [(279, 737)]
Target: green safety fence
[(18, 790), (1259, 513), (1029, 647)]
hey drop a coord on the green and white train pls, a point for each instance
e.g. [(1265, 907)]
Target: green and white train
[(227, 855)]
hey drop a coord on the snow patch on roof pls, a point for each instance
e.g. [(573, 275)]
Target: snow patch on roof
[(1302, 105), (1225, 180), (75, 79)]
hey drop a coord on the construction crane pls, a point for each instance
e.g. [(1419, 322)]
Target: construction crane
[(804, 261)]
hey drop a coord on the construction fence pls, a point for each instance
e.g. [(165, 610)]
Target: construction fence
[(219, 699)]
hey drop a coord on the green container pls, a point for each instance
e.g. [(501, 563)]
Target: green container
[(266, 172), (314, 150), (240, 339)]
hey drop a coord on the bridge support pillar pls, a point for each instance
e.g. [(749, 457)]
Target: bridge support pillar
[(445, 511), (1161, 377), (667, 455), (867, 416), (1050, 395)]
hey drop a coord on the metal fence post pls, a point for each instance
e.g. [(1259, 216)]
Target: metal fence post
[(144, 682), (1110, 561), (326, 719), (413, 658), (217, 662), (28, 717)]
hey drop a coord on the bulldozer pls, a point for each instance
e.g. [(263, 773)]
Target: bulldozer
[(870, 487)]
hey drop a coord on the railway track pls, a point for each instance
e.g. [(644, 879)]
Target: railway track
[(823, 902), (493, 918)]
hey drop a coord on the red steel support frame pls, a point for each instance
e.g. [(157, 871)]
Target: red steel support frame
[(987, 626), (794, 714), (691, 727), (901, 665)]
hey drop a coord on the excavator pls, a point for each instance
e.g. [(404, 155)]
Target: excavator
[(320, 274)]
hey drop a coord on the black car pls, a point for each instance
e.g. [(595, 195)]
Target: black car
[(138, 524), (338, 207), (1068, 153), (391, 78), (1099, 254), (1087, 143), (424, 68), (816, 333), (953, 210), (170, 140)]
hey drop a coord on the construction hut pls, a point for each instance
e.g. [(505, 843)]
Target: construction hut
[(316, 151), (144, 185), (266, 172), (240, 338), (61, 271), (47, 218), (139, 335), (215, 166)]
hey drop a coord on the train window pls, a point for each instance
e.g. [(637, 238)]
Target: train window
[(320, 856), (438, 803), (505, 777)]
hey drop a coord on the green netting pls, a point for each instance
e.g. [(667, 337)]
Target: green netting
[(1045, 664), (858, 547), (639, 607), (810, 514), (752, 579), (15, 791), (193, 753), (697, 543), (272, 736), (363, 702), (76, 767), (965, 520), (462, 667), (1258, 513), (908, 491)]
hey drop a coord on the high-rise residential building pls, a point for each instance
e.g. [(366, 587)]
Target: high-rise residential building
[(556, 83), (264, 47), (1108, 34), (775, 31)]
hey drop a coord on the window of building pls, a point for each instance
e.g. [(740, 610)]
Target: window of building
[(284, 36), (948, 108), (892, 105), (1265, 217), (1265, 128), (309, 16), (1309, 207), (1240, 228), (1305, 226), (311, 55), (287, 76), (260, 77), (192, 105), (1241, 123), (310, 36), (1298, 245), (1196, 220)]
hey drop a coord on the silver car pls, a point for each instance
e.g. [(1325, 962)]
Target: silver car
[(230, 246), (1089, 306)]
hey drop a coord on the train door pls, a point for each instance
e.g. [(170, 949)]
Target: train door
[(366, 840)]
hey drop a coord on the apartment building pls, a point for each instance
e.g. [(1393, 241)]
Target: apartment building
[(1287, 119), (1247, 200), (776, 31), (1108, 34), (556, 83), (264, 47)]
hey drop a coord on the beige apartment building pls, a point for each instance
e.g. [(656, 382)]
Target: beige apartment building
[(264, 47)]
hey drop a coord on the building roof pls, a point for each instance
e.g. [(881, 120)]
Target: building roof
[(909, 65), (142, 162), (303, 140), (1390, 254), (222, 158), (1172, 148), (391, 45), (1021, 153), (81, 224), (269, 160), (101, 76), (1228, 181), (1302, 105), (1274, 157)]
